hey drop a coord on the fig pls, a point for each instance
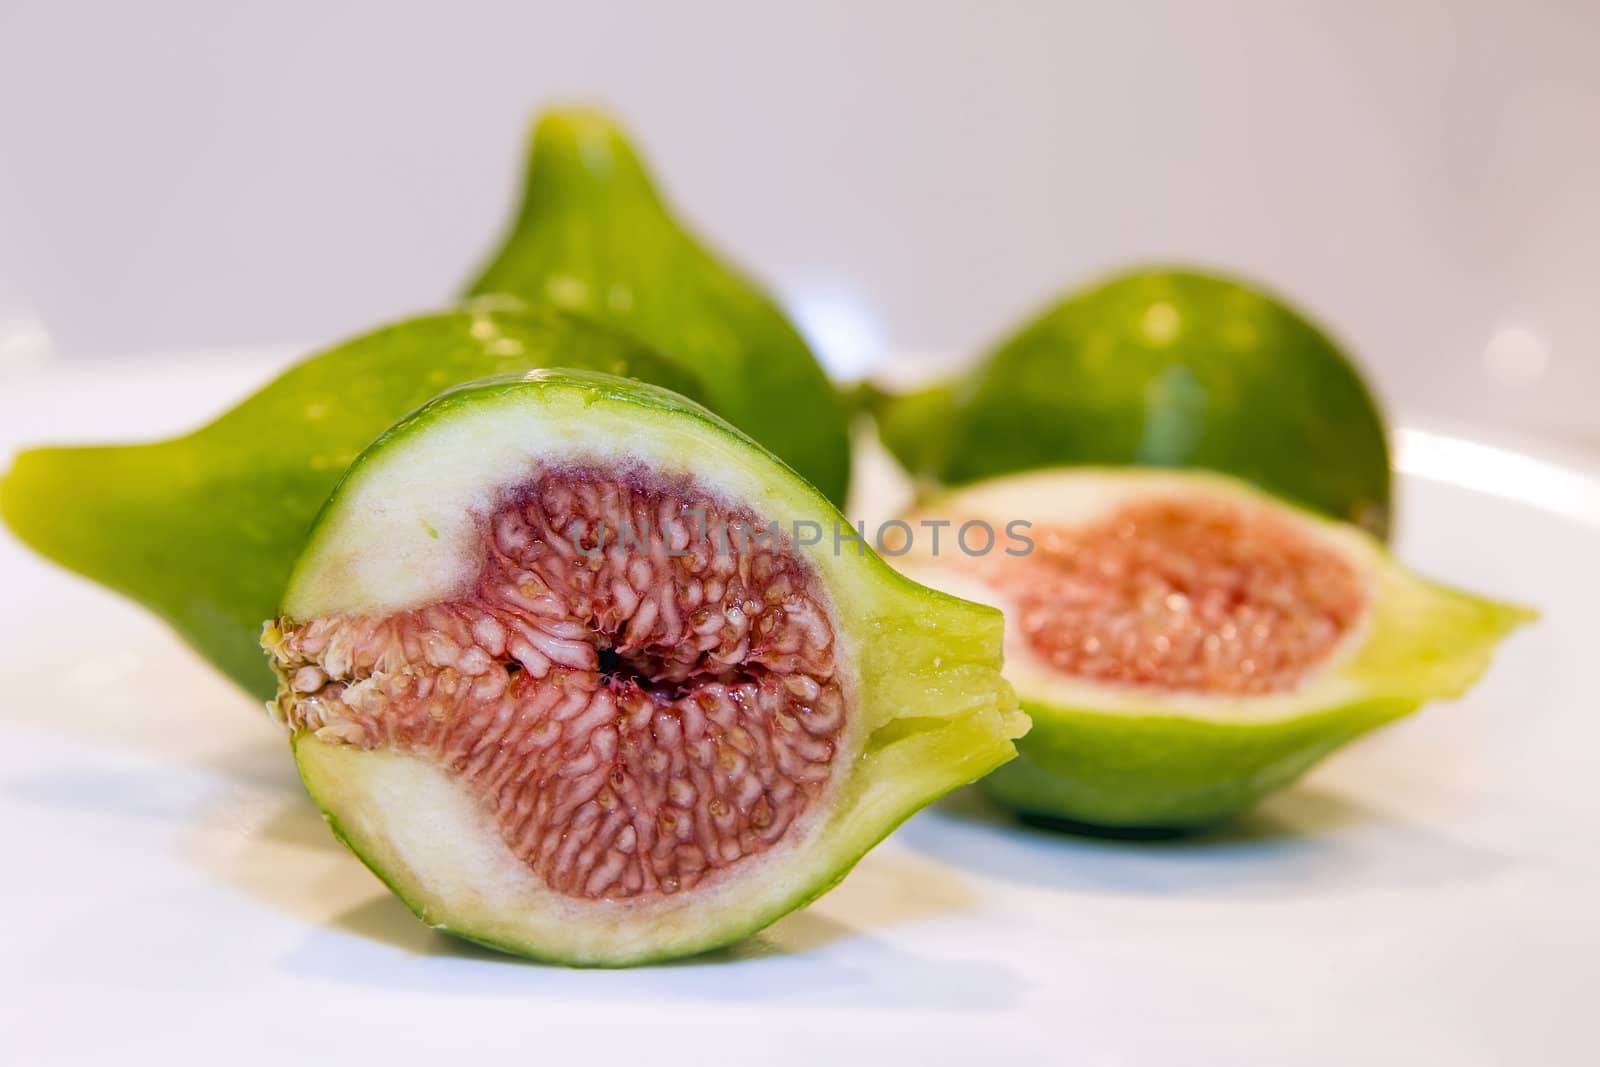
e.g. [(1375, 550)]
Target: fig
[(202, 529), (594, 235), (1186, 643), (583, 673), (1160, 368)]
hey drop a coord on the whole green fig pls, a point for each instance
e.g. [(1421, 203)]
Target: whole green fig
[(202, 529), (593, 235), (1160, 368)]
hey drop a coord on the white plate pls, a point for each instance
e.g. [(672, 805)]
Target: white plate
[(1429, 893)]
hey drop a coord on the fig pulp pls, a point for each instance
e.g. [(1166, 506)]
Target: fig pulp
[(202, 529), (582, 672), (593, 235), (1159, 368), (1186, 644)]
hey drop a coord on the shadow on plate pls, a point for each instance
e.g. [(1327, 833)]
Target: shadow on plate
[(833, 953), (280, 852), (1303, 841)]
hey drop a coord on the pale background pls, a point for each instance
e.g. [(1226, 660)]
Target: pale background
[(183, 174), (194, 175)]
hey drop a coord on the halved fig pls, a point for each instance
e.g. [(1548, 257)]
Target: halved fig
[(1185, 643), (583, 673)]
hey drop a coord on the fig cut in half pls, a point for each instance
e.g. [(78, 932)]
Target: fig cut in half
[(583, 673), (1185, 643)]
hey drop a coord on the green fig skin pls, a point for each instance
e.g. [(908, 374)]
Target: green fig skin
[(593, 235), (1126, 759), (931, 710), (1161, 368), (1167, 775), (907, 424), (202, 529)]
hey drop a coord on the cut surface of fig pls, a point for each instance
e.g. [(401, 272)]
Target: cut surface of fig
[(1185, 643), (639, 698), (557, 667), (1183, 593)]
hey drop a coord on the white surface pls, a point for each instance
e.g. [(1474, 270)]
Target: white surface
[(910, 176), (1427, 895)]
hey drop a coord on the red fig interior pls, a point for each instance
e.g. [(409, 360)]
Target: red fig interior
[(1182, 593), (641, 684)]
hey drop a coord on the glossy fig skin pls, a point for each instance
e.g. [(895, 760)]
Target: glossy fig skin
[(1167, 774), (202, 529), (593, 235), (1162, 368), (927, 708)]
